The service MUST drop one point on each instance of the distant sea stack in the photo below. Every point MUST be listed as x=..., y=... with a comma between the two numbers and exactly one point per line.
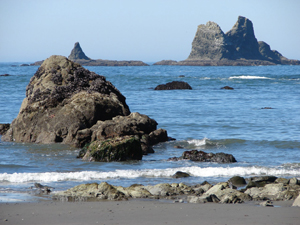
x=239, y=46
x=77, y=55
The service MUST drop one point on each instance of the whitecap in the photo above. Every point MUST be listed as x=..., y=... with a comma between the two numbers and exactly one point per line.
x=248, y=77
x=198, y=142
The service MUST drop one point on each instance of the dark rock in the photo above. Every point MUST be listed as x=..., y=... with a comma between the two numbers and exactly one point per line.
x=180, y=174
x=24, y=64
x=173, y=85
x=42, y=189
x=237, y=181
x=195, y=155
x=77, y=53
x=4, y=128
x=158, y=136
x=227, y=88
x=260, y=181
x=267, y=108
x=115, y=149
x=4, y=75
x=135, y=124
x=61, y=99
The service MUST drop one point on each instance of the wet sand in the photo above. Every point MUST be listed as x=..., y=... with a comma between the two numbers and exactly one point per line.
x=146, y=212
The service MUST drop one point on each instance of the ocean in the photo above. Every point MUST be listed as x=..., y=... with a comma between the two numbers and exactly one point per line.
x=258, y=123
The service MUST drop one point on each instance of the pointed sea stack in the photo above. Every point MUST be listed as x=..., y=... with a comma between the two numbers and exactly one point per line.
x=244, y=42
x=77, y=53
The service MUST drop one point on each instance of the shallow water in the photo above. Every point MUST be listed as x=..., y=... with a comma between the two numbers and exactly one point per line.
x=263, y=141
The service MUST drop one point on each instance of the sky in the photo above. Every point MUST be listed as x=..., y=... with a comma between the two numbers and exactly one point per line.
x=146, y=30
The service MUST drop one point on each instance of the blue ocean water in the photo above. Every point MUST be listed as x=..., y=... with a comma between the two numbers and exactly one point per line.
x=264, y=141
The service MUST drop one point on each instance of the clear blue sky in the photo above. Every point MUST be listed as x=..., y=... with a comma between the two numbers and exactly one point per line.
x=147, y=30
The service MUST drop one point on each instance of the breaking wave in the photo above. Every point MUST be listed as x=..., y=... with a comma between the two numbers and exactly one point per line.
x=248, y=77
x=148, y=173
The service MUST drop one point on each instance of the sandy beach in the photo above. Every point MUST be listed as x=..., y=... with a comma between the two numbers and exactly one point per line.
x=146, y=212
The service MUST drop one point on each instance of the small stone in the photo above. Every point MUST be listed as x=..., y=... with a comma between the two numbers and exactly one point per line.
x=267, y=203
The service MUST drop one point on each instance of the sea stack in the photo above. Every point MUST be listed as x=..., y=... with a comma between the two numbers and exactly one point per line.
x=77, y=53
x=238, y=47
x=240, y=43
x=210, y=43
x=243, y=40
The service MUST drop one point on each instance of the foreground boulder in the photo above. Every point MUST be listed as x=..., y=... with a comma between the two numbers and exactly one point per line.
x=201, y=193
x=173, y=85
x=200, y=156
x=63, y=98
x=135, y=125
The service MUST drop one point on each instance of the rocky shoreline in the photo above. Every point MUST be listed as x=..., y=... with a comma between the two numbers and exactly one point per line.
x=264, y=189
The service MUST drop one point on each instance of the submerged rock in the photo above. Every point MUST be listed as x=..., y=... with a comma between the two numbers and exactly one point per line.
x=173, y=85
x=180, y=174
x=200, y=156
x=227, y=88
x=115, y=149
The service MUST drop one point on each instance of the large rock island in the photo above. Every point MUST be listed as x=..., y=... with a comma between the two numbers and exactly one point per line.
x=67, y=103
x=77, y=55
x=238, y=47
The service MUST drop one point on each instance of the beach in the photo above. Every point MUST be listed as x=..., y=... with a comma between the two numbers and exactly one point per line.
x=146, y=212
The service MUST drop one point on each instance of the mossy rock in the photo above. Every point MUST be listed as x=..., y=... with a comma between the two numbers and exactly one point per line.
x=237, y=181
x=115, y=149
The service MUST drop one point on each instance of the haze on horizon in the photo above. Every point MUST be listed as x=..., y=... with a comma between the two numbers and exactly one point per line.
x=148, y=30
